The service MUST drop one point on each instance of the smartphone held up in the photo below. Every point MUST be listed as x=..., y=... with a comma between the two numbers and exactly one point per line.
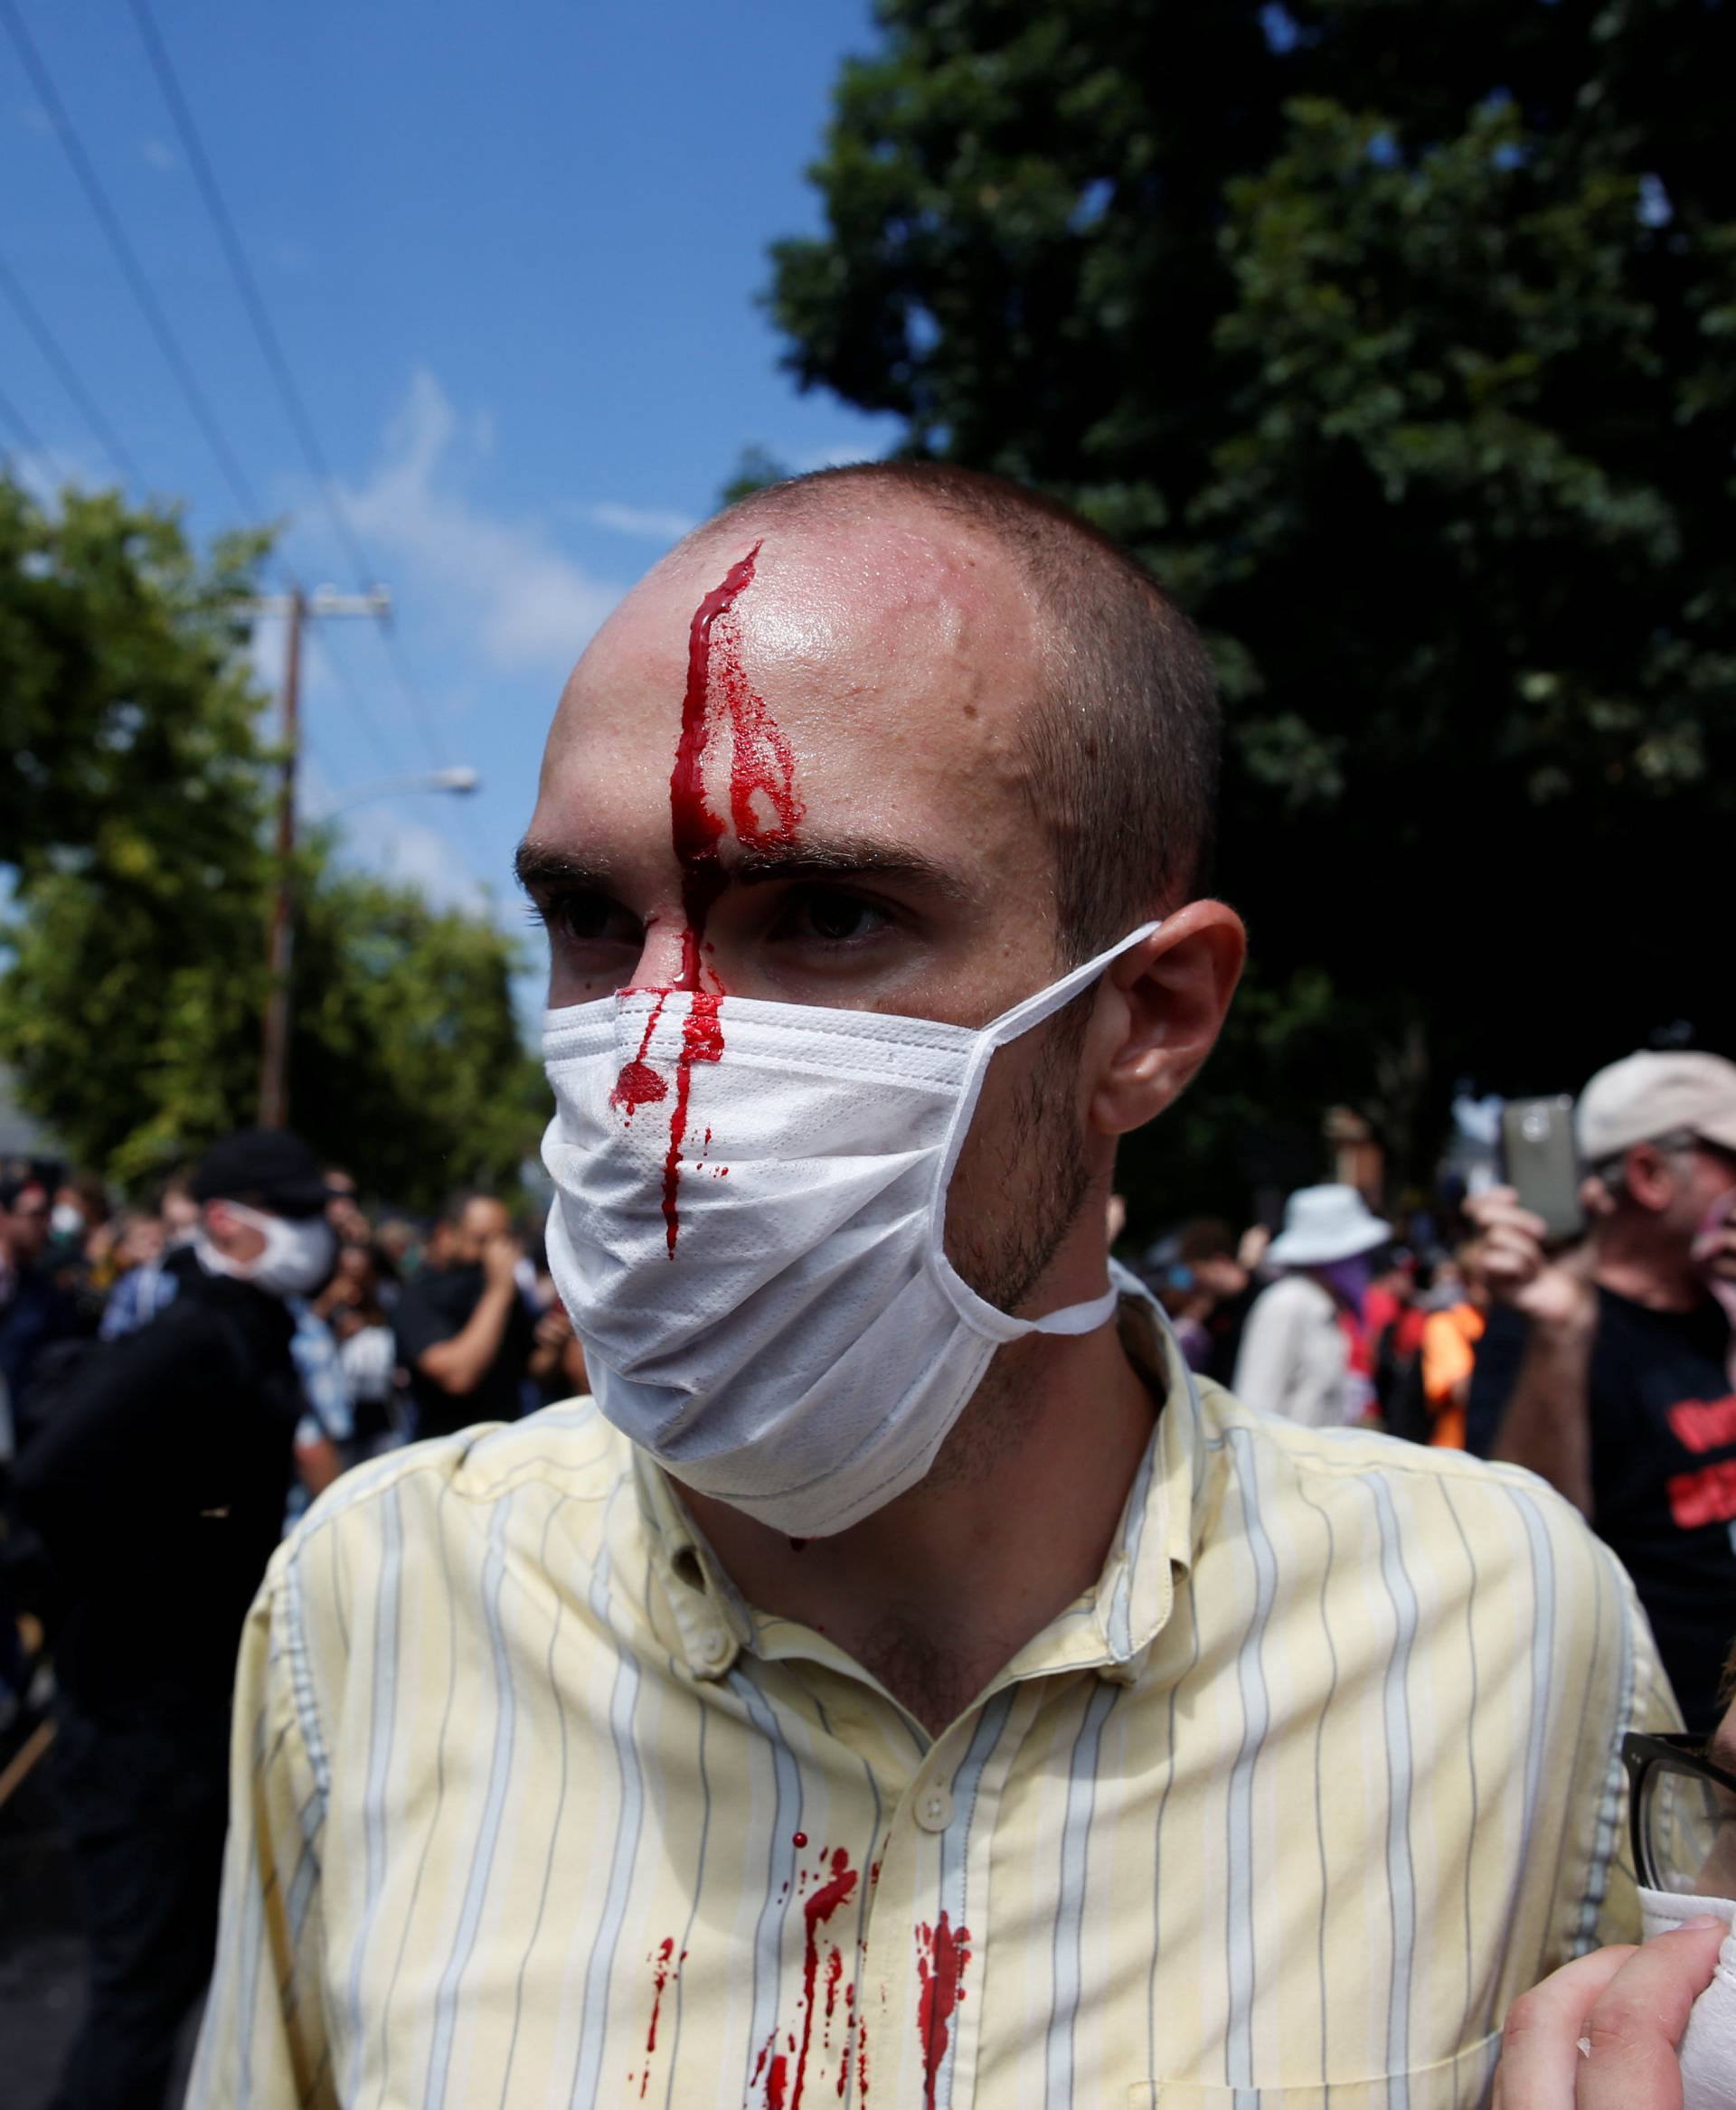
x=1542, y=1162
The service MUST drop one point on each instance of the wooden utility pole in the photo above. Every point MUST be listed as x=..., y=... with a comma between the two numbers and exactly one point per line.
x=281, y=941
x=294, y=607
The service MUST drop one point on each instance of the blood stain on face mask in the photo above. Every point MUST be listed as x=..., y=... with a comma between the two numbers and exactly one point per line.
x=764, y=812
x=638, y=1085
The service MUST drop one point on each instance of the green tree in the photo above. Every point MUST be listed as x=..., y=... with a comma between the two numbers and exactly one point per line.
x=406, y=1062
x=1396, y=337
x=135, y=809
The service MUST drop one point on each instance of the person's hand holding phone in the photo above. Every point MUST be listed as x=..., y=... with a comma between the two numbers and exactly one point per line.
x=500, y=1257
x=1554, y=1289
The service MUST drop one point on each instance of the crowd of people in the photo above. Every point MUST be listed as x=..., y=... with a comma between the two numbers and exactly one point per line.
x=1607, y=1368
x=369, y=1344
x=177, y=1379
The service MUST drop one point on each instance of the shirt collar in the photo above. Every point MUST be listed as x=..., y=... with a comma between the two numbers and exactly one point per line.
x=1110, y=1629
x=1161, y=1523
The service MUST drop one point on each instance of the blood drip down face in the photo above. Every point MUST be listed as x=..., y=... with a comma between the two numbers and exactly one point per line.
x=764, y=813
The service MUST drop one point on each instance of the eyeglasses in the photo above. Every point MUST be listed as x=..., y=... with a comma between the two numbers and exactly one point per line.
x=1682, y=1811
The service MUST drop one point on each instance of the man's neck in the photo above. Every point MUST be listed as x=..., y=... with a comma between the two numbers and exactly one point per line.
x=940, y=1589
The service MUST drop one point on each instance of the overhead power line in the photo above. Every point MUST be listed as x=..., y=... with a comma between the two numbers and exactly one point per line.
x=358, y=710
x=465, y=841
x=132, y=270
x=235, y=255
x=271, y=345
x=67, y=375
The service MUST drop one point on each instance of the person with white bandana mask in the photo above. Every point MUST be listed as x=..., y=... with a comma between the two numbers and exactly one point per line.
x=155, y=1473
x=901, y=1677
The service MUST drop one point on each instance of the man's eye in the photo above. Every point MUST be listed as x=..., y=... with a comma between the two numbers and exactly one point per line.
x=828, y=916
x=589, y=919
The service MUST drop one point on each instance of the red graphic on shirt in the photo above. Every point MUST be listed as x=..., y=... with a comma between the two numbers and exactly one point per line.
x=1705, y=1497
x=764, y=812
x=1703, y=1425
x=941, y=1958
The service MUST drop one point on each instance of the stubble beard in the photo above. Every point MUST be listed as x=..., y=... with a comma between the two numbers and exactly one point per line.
x=1003, y=1261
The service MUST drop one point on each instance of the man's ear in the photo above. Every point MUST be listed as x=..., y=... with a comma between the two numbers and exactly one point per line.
x=1648, y=1177
x=1170, y=993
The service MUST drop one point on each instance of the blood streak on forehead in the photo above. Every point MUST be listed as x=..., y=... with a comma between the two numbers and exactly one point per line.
x=763, y=808
x=764, y=812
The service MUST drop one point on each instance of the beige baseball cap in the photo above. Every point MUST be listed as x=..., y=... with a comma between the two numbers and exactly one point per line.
x=1645, y=1096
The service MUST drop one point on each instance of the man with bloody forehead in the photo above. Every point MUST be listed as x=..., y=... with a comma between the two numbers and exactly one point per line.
x=901, y=1682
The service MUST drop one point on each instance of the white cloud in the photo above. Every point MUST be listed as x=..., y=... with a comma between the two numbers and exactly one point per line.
x=650, y=523
x=158, y=153
x=504, y=584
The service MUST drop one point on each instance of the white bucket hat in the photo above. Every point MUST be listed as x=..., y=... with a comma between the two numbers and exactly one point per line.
x=1323, y=1224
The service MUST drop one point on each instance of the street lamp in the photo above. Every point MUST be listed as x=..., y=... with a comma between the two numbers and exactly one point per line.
x=460, y=779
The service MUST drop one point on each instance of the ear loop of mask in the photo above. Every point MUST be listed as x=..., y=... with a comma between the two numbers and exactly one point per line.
x=977, y=1313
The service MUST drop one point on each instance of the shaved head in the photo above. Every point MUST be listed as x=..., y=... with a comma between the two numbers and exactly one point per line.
x=1121, y=737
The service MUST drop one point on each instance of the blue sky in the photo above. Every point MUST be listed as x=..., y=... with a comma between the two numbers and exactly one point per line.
x=512, y=252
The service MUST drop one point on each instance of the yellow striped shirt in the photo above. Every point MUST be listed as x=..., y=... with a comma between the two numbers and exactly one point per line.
x=531, y=1810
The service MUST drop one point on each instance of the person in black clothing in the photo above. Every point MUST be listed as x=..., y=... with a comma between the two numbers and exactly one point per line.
x=37, y=1313
x=35, y=1309
x=156, y=1473
x=465, y=1333
x=1609, y=1369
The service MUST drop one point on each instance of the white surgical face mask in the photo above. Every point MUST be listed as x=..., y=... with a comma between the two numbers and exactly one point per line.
x=751, y=1204
x=297, y=1258
x=1708, y=2047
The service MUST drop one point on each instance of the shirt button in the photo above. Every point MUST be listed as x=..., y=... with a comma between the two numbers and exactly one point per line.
x=713, y=1647
x=934, y=1809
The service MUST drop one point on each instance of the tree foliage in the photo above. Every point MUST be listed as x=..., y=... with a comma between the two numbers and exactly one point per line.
x=133, y=808
x=1397, y=338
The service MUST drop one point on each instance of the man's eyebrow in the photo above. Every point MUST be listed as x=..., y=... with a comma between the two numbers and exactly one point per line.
x=540, y=865
x=843, y=858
